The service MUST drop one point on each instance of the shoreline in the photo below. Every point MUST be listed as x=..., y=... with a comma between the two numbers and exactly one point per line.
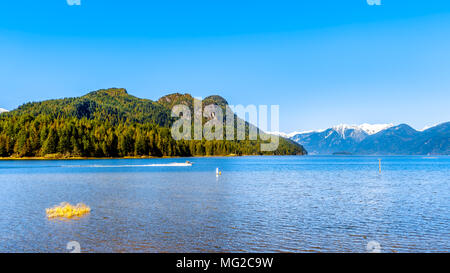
x=199, y=156
x=126, y=157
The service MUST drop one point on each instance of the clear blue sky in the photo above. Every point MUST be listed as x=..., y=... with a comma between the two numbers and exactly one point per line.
x=324, y=62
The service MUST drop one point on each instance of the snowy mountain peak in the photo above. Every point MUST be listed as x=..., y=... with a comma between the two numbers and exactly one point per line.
x=3, y=110
x=369, y=129
x=372, y=129
x=430, y=126
x=341, y=129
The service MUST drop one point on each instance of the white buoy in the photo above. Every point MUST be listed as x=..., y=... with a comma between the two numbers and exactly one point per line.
x=217, y=171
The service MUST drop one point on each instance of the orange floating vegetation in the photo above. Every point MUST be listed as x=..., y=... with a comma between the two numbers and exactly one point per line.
x=66, y=210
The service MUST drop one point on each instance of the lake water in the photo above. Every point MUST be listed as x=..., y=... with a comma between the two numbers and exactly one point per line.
x=258, y=204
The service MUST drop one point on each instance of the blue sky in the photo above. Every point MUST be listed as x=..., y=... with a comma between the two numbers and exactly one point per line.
x=324, y=62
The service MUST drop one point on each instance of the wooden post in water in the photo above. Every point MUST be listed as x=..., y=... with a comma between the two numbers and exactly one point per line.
x=379, y=165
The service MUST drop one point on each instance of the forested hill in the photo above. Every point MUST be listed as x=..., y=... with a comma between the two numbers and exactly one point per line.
x=114, y=105
x=112, y=123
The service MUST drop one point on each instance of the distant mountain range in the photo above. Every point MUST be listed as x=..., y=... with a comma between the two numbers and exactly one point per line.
x=3, y=110
x=378, y=139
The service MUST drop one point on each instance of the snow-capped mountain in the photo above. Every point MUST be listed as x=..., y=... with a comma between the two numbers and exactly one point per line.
x=3, y=110
x=430, y=126
x=338, y=138
x=404, y=140
x=369, y=129
x=377, y=139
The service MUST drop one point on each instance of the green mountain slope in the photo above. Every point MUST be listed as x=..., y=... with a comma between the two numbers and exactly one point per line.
x=114, y=104
x=112, y=123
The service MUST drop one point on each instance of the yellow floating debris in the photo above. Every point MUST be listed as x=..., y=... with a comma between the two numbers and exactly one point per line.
x=67, y=210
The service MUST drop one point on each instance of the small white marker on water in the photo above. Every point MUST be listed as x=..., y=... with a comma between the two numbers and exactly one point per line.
x=379, y=165
x=218, y=172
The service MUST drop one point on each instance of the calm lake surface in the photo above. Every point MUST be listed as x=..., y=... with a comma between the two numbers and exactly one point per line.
x=258, y=204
